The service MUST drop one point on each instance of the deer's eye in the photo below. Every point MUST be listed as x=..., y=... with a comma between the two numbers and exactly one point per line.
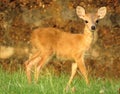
x=86, y=21
x=97, y=21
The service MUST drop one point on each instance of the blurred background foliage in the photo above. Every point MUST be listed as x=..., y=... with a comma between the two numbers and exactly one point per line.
x=19, y=17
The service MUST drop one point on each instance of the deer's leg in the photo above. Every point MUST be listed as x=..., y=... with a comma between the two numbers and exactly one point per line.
x=73, y=72
x=30, y=63
x=43, y=61
x=32, y=58
x=83, y=69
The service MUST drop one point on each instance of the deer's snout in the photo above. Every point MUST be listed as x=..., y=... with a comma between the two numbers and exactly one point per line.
x=93, y=28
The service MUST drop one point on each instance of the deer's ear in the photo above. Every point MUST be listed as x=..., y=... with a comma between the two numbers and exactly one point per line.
x=101, y=12
x=80, y=12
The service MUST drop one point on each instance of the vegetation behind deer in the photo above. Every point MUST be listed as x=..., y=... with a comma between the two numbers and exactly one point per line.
x=19, y=18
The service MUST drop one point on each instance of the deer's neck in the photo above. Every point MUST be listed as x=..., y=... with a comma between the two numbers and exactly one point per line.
x=88, y=36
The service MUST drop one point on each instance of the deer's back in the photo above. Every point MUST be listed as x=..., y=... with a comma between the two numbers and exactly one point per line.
x=45, y=37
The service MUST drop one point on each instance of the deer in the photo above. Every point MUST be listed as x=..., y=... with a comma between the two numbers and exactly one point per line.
x=49, y=42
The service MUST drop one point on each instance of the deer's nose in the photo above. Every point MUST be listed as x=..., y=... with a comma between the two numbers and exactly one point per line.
x=93, y=27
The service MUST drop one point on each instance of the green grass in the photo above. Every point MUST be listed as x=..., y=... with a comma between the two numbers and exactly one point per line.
x=16, y=83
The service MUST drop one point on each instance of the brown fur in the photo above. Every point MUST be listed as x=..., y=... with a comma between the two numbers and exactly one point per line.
x=51, y=41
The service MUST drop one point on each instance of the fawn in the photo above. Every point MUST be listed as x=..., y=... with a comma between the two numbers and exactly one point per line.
x=52, y=41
